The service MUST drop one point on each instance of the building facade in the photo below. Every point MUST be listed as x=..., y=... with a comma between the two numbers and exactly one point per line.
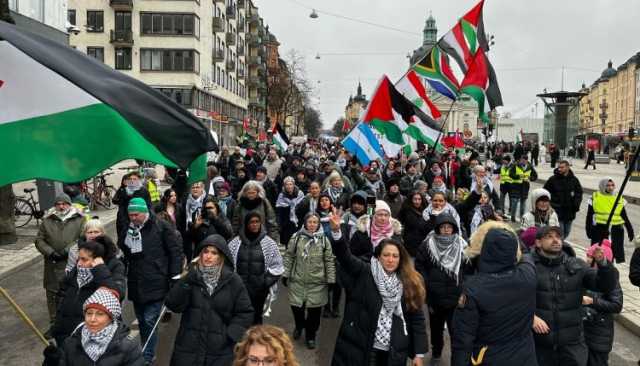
x=429, y=39
x=47, y=18
x=356, y=106
x=637, y=108
x=198, y=53
x=612, y=102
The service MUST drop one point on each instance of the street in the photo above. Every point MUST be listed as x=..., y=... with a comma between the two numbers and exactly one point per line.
x=26, y=288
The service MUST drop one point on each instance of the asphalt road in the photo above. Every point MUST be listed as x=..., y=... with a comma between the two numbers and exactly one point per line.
x=19, y=346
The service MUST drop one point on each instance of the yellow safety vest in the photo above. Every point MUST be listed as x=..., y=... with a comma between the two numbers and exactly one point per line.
x=504, y=175
x=602, y=205
x=522, y=175
x=153, y=191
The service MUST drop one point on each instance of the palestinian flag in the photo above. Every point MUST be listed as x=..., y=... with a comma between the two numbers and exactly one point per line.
x=392, y=114
x=345, y=125
x=463, y=41
x=412, y=87
x=475, y=85
x=435, y=68
x=279, y=137
x=65, y=116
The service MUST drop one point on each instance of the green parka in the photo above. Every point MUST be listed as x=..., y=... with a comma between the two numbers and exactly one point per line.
x=55, y=235
x=309, y=277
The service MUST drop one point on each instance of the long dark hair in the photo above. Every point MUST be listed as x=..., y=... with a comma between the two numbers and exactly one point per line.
x=408, y=202
x=412, y=282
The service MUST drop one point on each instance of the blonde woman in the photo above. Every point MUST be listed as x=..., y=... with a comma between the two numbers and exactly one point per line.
x=265, y=345
x=92, y=229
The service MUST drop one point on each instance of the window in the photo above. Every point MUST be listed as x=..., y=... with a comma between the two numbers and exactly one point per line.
x=71, y=16
x=96, y=52
x=123, y=21
x=123, y=58
x=170, y=24
x=169, y=60
x=95, y=21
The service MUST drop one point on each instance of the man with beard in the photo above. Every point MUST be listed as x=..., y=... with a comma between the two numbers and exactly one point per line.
x=132, y=186
x=566, y=195
x=408, y=180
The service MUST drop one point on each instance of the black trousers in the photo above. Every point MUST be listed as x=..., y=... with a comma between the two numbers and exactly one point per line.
x=310, y=321
x=257, y=301
x=598, y=358
x=379, y=358
x=438, y=316
x=599, y=232
x=335, y=294
x=569, y=355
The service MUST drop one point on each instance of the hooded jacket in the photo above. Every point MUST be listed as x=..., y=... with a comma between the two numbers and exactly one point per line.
x=414, y=228
x=529, y=218
x=495, y=310
x=360, y=243
x=210, y=325
x=566, y=194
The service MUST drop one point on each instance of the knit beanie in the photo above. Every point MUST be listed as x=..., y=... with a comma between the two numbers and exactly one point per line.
x=606, y=249
x=528, y=236
x=382, y=206
x=106, y=300
x=63, y=197
x=138, y=204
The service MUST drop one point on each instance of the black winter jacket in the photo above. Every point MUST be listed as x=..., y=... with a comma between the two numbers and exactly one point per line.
x=219, y=225
x=210, y=325
x=123, y=350
x=414, y=228
x=122, y=200
x=598, y=318
x=355, y=339
x=149, y=272
x=561, y=283
x=566, y=194
x=71, y=298
x=251, y=268
x=442, y=289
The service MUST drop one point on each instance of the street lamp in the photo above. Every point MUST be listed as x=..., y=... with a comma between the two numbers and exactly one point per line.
x=313, y=14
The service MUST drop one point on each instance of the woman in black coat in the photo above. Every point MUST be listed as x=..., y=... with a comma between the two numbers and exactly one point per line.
x=215, y=307
x=371, y=230
x=288, y=199
x=97, y=266
x=211, y=222
x=411, y=219
x=383, y=322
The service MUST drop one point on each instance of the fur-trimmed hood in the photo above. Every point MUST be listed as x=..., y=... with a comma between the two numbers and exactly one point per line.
x=477, y=239
x=362, y=224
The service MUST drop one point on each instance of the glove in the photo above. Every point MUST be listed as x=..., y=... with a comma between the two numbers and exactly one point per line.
x=56, y=257
x=51, y=355
x=285, y=281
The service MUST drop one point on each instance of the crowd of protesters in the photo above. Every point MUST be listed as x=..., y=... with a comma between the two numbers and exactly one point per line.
x=457, y=240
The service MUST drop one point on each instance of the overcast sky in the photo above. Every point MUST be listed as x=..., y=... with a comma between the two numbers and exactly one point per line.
x=534, y=39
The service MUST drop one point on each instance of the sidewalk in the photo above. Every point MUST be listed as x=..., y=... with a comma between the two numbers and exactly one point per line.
x=590, y=178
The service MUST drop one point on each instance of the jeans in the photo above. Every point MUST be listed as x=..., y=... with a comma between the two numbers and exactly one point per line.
x=513, y=206
x=566, y=228
x=147, y=315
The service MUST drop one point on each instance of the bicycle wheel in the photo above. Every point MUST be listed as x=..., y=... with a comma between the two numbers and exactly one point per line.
x=23, y=212
x=107, y=195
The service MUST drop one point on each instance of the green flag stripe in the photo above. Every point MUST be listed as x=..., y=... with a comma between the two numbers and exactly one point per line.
x=389, y=129
x=470, y=34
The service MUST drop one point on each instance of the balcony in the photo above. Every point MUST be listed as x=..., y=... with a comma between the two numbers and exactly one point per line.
x=240, y=50
x=121, y=37
x=231, y=66
x=231, y=12
x=253, y=39
x=121, y=4
x=240, y=73
x=242, y=3
x=254, y=80
x=262, y=50
x=255, y=60
x=218, y=24
x=231, y=39
x=256, y=102
x=218, y=55
x=254, y=18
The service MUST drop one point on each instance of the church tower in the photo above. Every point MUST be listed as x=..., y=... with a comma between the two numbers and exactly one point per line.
x=429, y=39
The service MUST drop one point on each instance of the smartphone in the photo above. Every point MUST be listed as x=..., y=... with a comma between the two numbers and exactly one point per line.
x=371, y=204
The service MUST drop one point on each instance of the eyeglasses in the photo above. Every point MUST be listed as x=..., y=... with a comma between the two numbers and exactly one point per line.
x=255, y=361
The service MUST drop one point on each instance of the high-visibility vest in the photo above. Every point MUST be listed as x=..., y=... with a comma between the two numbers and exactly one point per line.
x=504, y=175
x=523, y=176
x=153, y=191
x=602, y=205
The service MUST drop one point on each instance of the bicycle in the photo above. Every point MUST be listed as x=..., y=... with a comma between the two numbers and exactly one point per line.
x=100, y=193
x=27, y=209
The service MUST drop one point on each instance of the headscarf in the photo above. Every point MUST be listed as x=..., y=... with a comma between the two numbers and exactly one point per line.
x=602, y=185
x=390, y=288
x=378, y=233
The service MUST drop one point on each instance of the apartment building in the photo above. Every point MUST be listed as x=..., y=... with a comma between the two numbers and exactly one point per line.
x=193, y=51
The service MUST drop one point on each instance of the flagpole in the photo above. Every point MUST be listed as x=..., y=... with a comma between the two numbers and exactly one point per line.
x=444, y=123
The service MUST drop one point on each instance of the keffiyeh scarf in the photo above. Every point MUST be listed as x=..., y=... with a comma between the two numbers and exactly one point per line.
x=133, y=240
x=446, y=252
x=291, y=201
x=335, y=193
x=95, y=344
x=314, y=238
x=192, y=205
x=390, y=289
x=210, y=276
x=84, y=276
x=272, y=257
x=448, y=208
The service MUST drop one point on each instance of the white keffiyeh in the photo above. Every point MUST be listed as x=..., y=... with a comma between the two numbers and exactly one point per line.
x=84, y=276
x=390, y=289
x=95, y=344
x=133, y=240
x=285, y=200
x=272, y=258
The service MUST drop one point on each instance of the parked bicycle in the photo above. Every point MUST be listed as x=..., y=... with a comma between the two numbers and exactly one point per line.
x=27, y=208
x=100, y=193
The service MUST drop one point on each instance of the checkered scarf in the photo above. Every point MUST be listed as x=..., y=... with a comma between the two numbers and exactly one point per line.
x=133, y=240
x=390, y=289
x=84, y=276
x=272, y=257
x=95, y=344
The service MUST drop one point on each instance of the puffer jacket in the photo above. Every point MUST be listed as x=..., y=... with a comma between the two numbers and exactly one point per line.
x=309, y=277
x=561, y=283
x=360, y=243
x=566, y=194
x=149, y=272
x=71, y=298
x=210, y=325
x=598, y=318
x=250, y=264
x=57, y=236
x=356, y=336
x=123, y=350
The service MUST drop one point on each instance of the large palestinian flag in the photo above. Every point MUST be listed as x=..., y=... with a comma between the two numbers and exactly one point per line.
x=475, y=84
x=66, y=116
x=392, y=114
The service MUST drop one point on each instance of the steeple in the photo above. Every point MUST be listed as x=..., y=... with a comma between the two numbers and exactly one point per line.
x=359, y=89
x=430, y=32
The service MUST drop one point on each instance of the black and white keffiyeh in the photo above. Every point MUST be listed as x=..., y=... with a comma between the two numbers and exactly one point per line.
x=291, y=201
x=446, y=252
x=84, y=276
x=210, y=276
x=272, y=258
x=133, y=240
x=191, y=206
x=448, y=208
x=390, y=289
x=95, y=344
